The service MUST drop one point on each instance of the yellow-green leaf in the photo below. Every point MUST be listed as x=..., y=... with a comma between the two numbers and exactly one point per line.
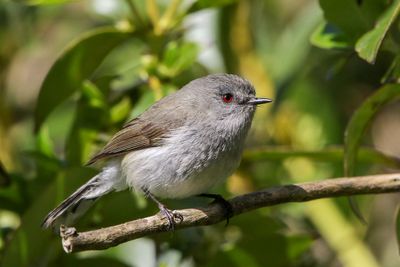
x=368, y=45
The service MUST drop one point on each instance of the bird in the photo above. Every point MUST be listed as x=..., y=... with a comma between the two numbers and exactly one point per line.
x=181, y=146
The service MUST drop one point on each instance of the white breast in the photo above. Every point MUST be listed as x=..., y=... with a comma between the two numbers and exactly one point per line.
x=190, y=162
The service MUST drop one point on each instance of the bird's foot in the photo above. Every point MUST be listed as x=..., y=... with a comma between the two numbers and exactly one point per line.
x=65, y=234
x=218, y=199
x=172, y=216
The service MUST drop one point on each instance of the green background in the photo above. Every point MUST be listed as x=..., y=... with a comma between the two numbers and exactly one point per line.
x=73, y=72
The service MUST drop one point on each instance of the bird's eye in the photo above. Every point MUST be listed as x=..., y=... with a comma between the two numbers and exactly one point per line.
x=227, y=98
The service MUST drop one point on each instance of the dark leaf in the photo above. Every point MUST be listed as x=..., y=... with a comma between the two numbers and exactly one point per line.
x=31, y=245
x=4, y=177
x=76, y=63
x=346, y=16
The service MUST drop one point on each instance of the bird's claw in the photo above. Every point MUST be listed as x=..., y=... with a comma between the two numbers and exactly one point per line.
x=218, y=199
x=65, y=234
x=172, y=216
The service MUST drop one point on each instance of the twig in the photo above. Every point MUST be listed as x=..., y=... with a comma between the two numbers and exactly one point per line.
x=214, y=213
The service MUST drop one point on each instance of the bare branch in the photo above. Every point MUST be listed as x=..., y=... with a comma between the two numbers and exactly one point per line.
x=114, y=235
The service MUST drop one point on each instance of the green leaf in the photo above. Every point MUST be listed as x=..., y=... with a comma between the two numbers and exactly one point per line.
x=368, y=45
x=144, y=102
x=120, y=111
x=11, y=197
x=77, y=63
x=44, y=143
x=360, y=120
x=202, y=4
x=178, y=57
x=326, y=37
x=93, y=95
x=393, y=72
x=91, y=116
x=347, y=16
x=30, y=245
x=297, y=245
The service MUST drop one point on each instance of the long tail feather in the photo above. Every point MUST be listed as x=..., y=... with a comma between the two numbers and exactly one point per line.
x=68, y=209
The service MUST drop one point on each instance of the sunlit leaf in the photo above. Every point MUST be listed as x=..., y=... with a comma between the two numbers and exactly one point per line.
x=124, y=60
x=121, y=110
x=143, y=103
x=44, y=143
x=178, y=57
x=91, y=115
x=360, y=120
x=45, y=155
x=93, y=95
x=325, y=36
x=75, y=65
x=368, y=45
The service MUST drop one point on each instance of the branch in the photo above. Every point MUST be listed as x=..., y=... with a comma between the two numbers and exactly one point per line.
x=114, y=235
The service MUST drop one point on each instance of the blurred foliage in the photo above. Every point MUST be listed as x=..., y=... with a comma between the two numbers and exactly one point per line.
x=73, y=72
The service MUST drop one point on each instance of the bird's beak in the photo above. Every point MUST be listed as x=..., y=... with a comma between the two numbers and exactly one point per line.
x=258, y=101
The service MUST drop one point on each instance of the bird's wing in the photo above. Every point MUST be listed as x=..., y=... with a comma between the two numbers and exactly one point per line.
x=147, y=130
x=137, y=134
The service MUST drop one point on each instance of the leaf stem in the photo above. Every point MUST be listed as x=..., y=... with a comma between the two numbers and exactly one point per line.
x=168, y=15
x=136, y=14
x=154, y=15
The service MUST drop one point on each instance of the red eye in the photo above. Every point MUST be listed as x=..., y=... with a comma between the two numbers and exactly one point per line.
x=227, y=98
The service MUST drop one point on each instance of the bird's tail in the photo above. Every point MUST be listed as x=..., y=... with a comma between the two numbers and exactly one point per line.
x=81, y=200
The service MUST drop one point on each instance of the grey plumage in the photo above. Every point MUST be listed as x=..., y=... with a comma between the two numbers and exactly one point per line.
x=181, y=146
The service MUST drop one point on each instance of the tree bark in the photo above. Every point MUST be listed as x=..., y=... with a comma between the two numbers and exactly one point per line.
x=104, y=238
